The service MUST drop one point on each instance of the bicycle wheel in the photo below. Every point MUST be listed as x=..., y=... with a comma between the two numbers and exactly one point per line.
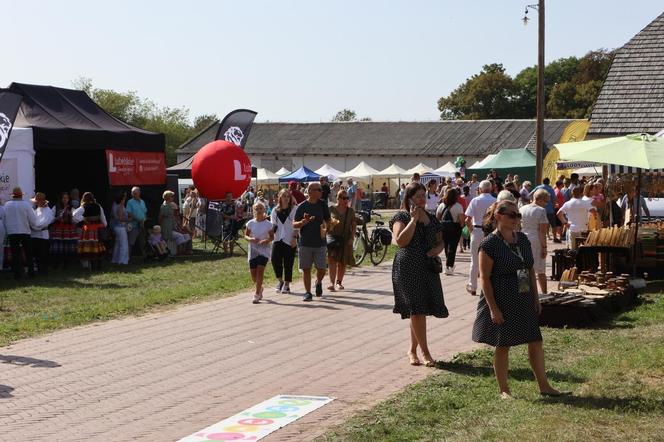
x=377, y=250
x=359, y=248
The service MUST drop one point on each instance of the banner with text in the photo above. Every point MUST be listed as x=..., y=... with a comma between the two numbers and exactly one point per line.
x=8, y=178
x=9, y=104
x=126, y=168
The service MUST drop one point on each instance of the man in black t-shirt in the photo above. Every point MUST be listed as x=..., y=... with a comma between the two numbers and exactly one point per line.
x=326, y=189
x=311, y=218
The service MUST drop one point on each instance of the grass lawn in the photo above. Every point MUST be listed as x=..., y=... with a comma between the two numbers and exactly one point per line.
x=616, y=371
x=75, y=296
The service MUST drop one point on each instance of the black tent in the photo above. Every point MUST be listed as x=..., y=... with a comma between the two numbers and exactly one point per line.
x=71, y=135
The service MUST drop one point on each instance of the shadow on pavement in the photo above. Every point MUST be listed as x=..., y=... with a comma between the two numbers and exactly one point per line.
x=313, y=304
x=31, y=362
x=6, y=391
x=347, y=301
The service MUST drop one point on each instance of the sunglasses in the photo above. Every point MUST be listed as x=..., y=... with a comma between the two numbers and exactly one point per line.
x=316, y=190
x=343, y=197
x=513, y=215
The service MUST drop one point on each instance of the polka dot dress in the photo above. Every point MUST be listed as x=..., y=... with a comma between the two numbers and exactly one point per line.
x=417, y=290
x=519, y=311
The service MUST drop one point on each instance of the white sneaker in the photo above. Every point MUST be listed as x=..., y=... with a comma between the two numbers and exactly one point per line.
x=286, y=289
x=449, y=271
x=279, y=287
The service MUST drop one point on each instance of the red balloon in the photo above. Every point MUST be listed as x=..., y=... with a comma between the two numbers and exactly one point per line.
x=221, y=167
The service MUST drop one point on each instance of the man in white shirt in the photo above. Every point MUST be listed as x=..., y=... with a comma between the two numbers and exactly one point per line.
x=474, y=218
x=39, y=236
x=574, y=216
x=473, y=186
x=20, y=219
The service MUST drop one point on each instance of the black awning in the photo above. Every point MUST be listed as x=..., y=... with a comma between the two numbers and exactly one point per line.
x=69, y=119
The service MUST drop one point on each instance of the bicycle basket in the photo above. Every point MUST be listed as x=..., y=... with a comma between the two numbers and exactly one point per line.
x=385, y=236
x=366, y=216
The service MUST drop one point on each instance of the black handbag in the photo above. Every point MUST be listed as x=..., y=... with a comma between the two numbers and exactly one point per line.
x=335, y=242
x=434, y=264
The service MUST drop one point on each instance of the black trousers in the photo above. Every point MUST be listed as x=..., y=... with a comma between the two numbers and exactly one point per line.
x=283, y=257
x=40, y=252
x=16, y=242
x=451, y=243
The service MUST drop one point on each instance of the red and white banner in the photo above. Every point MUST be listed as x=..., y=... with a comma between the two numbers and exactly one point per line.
x=127, y=168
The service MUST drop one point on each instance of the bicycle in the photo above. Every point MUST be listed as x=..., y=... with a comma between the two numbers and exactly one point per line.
x=374, y=244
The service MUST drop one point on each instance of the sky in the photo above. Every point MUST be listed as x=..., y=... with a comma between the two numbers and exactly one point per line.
x=298, y=60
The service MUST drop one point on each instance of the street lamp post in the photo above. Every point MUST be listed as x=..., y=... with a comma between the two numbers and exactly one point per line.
x=539, y=130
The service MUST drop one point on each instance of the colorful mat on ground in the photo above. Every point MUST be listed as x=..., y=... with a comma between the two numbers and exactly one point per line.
x=260, y=420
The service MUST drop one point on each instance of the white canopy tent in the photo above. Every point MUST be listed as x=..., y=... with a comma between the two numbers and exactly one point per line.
x=330, y=172
x=420, y=168
x=283, y=171
x=264, y=176
x=446, y=170
x=362, y=172
x=393, y=171
x=17, y=167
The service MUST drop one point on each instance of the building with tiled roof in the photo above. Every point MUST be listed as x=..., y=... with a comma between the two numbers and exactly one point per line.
x=344, y=145
x=632, y=97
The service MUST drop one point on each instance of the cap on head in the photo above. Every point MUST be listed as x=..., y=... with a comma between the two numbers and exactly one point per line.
x=17, y=192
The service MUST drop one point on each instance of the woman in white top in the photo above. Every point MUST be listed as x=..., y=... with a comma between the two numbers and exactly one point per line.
x=190, y=208
x=283, y=247
x=432, y=197
x=450, y=214
x=259, y=233
x=535, y=224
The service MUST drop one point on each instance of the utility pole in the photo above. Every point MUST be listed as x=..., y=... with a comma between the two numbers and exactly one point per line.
x=541, y=105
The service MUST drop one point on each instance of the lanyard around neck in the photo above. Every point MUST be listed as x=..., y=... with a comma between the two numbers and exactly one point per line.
x=513, y=247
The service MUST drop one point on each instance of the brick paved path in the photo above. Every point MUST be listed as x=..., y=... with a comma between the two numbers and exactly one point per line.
x=164, y=376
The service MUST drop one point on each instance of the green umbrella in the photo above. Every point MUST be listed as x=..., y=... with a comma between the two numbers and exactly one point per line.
x=636, y=150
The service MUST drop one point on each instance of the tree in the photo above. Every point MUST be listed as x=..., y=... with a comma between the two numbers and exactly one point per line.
x=571, y=88
x=489, y=94
x=345, y=115
x=203, y=121
x=129, y=107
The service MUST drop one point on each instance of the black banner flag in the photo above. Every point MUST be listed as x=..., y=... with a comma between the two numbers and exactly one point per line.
x=9, y=104
x=235, y=127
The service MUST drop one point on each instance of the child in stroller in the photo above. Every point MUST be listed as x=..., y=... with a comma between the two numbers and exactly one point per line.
x=158, y=248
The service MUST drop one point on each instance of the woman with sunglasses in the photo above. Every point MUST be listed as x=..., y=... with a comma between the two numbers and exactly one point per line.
x=508, y=309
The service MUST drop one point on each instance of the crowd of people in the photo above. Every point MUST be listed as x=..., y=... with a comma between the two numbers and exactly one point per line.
x=41, y=235
x=316, y=222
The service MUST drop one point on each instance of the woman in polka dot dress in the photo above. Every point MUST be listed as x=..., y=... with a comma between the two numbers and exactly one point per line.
x=509, y=307
x=417, y=288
